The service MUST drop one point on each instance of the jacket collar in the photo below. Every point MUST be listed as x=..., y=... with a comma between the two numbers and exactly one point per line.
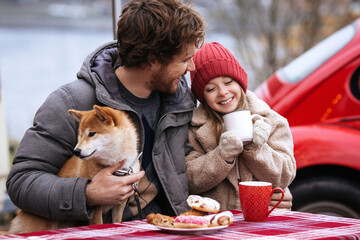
x=205, y=132
x=101, y=65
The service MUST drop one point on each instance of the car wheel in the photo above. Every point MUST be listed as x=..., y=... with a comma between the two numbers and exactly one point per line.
x=325, y=195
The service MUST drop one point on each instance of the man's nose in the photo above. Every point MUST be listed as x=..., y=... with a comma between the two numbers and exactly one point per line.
x=191, y=65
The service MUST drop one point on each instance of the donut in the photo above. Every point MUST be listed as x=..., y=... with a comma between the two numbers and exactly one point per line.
x=193, y=212
x=191, y=222
x=203, y=204
x=220, y=219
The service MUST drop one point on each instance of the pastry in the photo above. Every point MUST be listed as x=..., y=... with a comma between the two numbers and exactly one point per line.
x=193, y=212
x=160, y=220
x=191, y=222
x=220, y=219
x=203, y=204
x=197, y=217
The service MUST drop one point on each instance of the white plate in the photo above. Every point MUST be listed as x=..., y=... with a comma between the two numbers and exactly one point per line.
x=188, y=231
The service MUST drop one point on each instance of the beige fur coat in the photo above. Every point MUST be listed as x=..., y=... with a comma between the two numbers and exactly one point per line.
x=211, y=176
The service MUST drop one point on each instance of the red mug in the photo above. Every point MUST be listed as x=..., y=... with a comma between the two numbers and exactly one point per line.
x=255, y=200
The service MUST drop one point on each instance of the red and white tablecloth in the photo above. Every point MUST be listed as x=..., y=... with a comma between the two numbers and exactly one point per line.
x=279, y=225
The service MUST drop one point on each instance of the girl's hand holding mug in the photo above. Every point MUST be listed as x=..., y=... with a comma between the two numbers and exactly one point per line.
x=240, y=122
x=230, y=146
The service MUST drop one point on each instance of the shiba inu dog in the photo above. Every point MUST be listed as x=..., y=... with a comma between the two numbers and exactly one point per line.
x=105, y=137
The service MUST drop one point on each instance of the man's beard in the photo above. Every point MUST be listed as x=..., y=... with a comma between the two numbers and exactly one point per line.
x=162, y=82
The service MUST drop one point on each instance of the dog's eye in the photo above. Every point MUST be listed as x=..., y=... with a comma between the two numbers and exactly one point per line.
x=91, y=134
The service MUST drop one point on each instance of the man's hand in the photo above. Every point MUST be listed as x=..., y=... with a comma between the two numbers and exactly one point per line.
x=107, y=189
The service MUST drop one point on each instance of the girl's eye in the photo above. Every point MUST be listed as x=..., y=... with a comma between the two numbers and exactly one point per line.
x=210, y=89
x=228, y=82
x=91, y=134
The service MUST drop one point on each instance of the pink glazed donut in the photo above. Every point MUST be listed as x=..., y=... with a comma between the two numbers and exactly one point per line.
x=191, y=222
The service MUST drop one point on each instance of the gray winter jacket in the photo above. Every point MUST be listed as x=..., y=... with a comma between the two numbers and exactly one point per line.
x=32, y=183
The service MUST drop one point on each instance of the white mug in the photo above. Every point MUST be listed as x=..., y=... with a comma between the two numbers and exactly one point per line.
x=240, y=123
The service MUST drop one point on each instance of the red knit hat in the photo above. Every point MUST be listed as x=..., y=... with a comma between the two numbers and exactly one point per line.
x=211, y=61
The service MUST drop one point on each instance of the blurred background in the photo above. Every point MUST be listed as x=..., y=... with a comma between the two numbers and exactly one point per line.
x=44, y=42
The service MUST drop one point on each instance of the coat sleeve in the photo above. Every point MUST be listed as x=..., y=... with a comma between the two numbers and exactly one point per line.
x=32, y=182
x=273, y=161
x=204, y=170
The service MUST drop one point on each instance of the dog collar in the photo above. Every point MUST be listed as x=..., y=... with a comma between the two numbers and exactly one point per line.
x=130, y=170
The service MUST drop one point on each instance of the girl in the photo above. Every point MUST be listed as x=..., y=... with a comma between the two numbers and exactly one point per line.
x=219, y=160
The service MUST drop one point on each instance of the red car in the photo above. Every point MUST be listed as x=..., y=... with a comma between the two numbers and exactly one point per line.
x=319, y=94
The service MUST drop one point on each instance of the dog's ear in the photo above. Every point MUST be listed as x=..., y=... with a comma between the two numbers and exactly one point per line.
x=102, y=115
x=75, y=114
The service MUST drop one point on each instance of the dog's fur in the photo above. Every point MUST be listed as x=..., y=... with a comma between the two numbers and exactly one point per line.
x=105, y=138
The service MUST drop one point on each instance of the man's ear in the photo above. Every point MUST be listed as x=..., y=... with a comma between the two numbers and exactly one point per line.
x=75, y=114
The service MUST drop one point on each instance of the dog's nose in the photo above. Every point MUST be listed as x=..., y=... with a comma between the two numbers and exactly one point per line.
x=77, y=151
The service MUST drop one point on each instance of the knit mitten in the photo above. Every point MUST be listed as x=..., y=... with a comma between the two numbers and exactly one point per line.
x=261, y=130
x=230, y=146
x=286, y=203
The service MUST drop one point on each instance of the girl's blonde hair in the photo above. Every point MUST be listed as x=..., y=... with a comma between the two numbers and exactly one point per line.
x=216, y=117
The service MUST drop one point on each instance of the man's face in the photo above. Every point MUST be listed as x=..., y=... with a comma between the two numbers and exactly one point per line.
x=165, y=78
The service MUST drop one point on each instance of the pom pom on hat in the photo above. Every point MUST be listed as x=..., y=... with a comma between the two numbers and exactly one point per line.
x=211, y=61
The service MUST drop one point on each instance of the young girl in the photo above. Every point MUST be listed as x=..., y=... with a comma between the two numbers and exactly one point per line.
x=219, y=160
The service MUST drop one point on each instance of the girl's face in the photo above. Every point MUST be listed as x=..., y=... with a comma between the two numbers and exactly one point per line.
x=222, y=94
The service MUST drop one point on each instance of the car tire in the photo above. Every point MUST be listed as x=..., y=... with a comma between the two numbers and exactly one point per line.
x=326, y=195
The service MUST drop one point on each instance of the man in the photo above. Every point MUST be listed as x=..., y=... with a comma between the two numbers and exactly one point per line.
x=142, y=74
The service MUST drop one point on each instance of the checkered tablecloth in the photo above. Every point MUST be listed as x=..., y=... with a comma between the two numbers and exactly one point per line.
x=279, y=225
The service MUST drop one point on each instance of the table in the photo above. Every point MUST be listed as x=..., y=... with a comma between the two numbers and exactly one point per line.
x=280, y=224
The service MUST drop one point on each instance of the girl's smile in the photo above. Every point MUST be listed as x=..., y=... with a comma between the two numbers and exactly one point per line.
x=222, y=94
x=227, y=101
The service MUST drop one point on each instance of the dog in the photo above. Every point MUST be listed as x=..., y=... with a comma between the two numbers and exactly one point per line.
x=105, y=137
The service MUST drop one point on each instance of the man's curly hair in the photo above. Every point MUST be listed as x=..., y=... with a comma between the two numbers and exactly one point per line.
x=150, y=30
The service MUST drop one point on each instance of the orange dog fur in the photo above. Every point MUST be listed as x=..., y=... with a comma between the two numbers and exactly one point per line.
x=105, y=138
